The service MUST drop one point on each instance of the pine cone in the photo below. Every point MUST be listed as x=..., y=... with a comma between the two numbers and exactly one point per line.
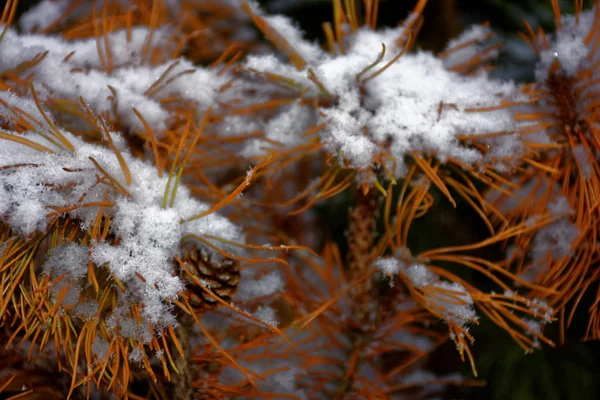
x=219, y=274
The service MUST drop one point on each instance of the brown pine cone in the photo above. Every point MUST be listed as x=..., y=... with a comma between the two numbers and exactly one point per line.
x=220, y=275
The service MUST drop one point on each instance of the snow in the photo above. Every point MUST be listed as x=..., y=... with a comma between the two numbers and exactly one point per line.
x=453, y=302
x=286, y=28
x=388, y=266
x=61, y=259
x=43, y=14
x=149, y=236
x=567, y=46
x=83, y=75
x=263, y=286
x=468, y=45
x=267, y=315
x=415, y=105
x=582, y=156
x=556, y=239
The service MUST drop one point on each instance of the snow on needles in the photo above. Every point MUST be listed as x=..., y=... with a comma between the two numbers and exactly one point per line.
x=415, y=105
x=43, y=14
x=569, y=46
x=34, y=183
x=468, y=45
x=449, y=300
x=73, y=69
